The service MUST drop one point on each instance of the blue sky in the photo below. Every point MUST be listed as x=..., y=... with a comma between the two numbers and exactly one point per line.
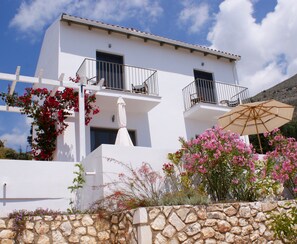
x=263, y=32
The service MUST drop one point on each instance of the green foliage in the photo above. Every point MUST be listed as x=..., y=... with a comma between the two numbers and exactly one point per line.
x=288, y=130
x=79, y=179
x=186, y=197
x=264, y=143
x=78, y=183
x=284, y=225
x=9, y=153
x=265, y=185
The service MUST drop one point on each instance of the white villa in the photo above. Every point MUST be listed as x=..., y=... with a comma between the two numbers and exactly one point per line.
x=183, y=84
x=172, y=89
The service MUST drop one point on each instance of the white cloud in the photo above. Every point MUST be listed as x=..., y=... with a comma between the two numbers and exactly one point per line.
x=15, y=130
x=194, y=16
x=33, y=16
x=267, y=48
x=16, y=139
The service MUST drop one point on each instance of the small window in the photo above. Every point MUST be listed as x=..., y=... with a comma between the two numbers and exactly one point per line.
x=107, y=136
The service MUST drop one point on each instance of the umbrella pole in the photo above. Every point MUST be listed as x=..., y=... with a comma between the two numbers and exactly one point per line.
x=261, y=149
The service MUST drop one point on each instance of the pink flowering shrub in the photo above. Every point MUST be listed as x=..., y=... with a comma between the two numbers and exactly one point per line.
x=283, y=160
x=217, y=160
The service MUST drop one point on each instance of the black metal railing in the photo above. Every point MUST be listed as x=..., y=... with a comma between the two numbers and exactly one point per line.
x=214, y=92
x=120, y=77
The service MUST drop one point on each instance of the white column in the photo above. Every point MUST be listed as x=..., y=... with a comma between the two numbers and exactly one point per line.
x=82, y=125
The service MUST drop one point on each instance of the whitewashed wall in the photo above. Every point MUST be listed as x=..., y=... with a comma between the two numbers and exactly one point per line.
x=164, y=124
x=101, y=171
x=34, y=184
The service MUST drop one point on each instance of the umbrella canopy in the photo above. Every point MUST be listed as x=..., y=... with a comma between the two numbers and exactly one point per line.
x=123, y=137
x=257, y=117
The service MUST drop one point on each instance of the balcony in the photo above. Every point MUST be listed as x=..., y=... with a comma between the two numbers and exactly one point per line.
x=206, y=99
x=138, y=86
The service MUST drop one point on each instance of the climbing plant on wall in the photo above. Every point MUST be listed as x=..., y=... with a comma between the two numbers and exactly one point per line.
x=49, y=112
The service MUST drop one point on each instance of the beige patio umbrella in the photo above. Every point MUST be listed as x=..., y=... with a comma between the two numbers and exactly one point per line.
x=255, y=118
x=123, y=137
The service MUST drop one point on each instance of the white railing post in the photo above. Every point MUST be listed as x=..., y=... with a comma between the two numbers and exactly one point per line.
x=82, y=125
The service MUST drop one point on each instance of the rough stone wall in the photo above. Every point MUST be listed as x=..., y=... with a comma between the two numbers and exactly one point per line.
x=87, y=228
x=217, y=223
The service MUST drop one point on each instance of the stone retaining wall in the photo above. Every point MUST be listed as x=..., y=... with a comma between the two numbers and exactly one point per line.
x=217, y=223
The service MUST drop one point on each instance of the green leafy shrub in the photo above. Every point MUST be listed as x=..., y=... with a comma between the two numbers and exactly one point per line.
x=284, y=225
x=78, y=183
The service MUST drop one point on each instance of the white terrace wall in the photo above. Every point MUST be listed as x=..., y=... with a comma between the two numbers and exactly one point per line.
x=100, y=170
x=34, y=184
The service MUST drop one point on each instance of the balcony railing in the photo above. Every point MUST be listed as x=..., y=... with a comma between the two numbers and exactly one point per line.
x=213, y=92
x=120, y=77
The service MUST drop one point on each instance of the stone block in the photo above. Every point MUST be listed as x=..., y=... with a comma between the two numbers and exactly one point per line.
x=87, y=220
x=103, y=235
x=159, y=222
x=176, y=222
x=193, y=229
x=154, y=213
x=169, y=231
x=28, y=236
x=192, y=217
x=223, y=226
x=66, y=228
x=182, y=213
x=207, y=232
x=6, y=234
x=2, y=224
x=140, y=216
x=230, y=211
x=268, y=206
x=43, y=239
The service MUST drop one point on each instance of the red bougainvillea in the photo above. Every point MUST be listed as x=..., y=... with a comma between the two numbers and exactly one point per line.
x=49, y=114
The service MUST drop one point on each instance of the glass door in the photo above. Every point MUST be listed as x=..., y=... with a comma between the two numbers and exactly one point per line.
x=110, y=67
x=205, y=86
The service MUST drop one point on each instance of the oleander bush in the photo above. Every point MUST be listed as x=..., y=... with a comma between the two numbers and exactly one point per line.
x=218, y=163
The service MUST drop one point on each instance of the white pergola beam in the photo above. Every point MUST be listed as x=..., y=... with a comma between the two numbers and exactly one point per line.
x=35, y=80
x=17, y=77
x=56, y=88
x=40, y=74
x=5, y=108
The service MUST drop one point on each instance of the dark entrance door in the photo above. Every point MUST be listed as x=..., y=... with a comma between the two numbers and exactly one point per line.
x=205, y=86
x=110, y=67
x=107, y=136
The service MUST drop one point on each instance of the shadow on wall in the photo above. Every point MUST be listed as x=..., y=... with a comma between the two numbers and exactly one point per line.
x=194, y=127
x=65, y=153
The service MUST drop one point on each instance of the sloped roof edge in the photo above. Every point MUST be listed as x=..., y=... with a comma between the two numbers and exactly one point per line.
x=147, y=36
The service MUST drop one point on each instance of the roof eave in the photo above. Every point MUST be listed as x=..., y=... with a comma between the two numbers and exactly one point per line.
x=161, y=40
